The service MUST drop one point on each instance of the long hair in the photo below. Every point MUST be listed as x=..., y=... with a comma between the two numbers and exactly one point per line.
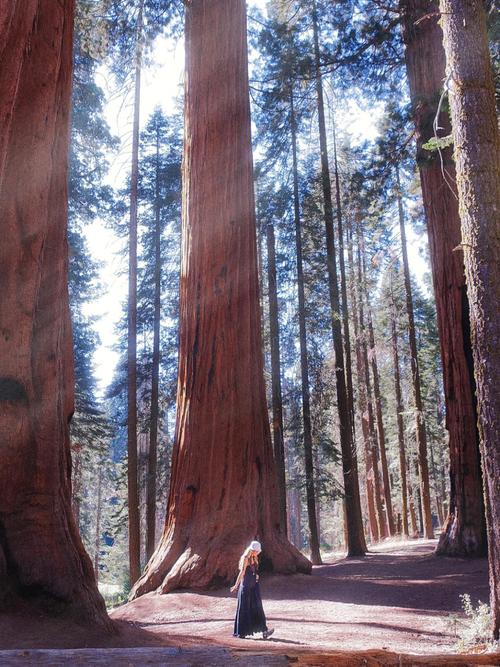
x=243, y=556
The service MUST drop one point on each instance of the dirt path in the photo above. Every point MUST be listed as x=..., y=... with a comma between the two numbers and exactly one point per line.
x=397, y=598
x=394, y=601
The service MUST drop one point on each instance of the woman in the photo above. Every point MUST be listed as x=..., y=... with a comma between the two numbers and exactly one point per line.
x=250, y=615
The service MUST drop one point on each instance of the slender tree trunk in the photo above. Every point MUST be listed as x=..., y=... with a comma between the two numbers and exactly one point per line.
x=155, y=373
x=399, y=418
x=304, y=363
x=378, y=400
x=277, y=402
x=293, y=504
x=134, y=538
x=464, y=533
x=419, y=411
x=477, y=155
x=377, y=487
x=223, y=491
x=380, y=422
x=343, y=289
x=41, y=554
x=76, y=487
x=411, y=498
x=356, y=542
x=97, y=540
x=437, y=499
x=363, y=410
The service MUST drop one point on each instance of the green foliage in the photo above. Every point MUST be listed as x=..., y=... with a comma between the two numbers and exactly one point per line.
x=438, y=143
x=474, y=632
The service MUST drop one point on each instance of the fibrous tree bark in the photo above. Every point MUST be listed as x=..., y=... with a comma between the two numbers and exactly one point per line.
x=464, y=533
x=134, y=538
x=276, y=393
x=41, y=554
x=423, y=466
x=356, y=544
x=477, y=155
x=223, y=489
x=312, y=509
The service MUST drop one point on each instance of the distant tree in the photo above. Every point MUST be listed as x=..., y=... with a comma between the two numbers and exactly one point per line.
x=159, y=196
x=356, y=542
x=277, y=401
x=88, y=199
x=132, y=28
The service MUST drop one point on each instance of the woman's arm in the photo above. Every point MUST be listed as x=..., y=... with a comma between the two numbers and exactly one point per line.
x=240, y=576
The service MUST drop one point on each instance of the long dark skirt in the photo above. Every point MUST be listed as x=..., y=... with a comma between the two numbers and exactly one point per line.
x=250, y=615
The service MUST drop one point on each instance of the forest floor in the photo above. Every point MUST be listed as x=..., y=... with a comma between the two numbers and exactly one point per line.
x=398, y=598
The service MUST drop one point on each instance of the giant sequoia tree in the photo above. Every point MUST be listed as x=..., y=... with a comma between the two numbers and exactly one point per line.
x=477, y=154
x=40, y=550
x=223, y=490
x=464, y=532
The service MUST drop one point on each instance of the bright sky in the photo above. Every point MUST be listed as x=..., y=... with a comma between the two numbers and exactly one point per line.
x=161, y=85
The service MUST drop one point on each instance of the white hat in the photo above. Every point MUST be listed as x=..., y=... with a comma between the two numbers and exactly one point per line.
x=255, y=546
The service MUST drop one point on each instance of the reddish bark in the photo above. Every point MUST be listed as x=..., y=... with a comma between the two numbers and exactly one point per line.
x=41, y=553
x=224, y=488
x=464, y=533
x=477, y=154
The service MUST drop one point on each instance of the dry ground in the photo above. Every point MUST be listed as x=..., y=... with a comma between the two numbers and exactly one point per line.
x=394, y=601
x=399, y=597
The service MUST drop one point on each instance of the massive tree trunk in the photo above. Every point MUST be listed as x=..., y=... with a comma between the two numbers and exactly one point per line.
x=155, y=372
x=464, y=533
x=41, y=554
x=304, y=362
x=477, y=155
x=224, y=488
x=423, y=466
x=356, y=545
x=134, y=538
x=277, y=402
